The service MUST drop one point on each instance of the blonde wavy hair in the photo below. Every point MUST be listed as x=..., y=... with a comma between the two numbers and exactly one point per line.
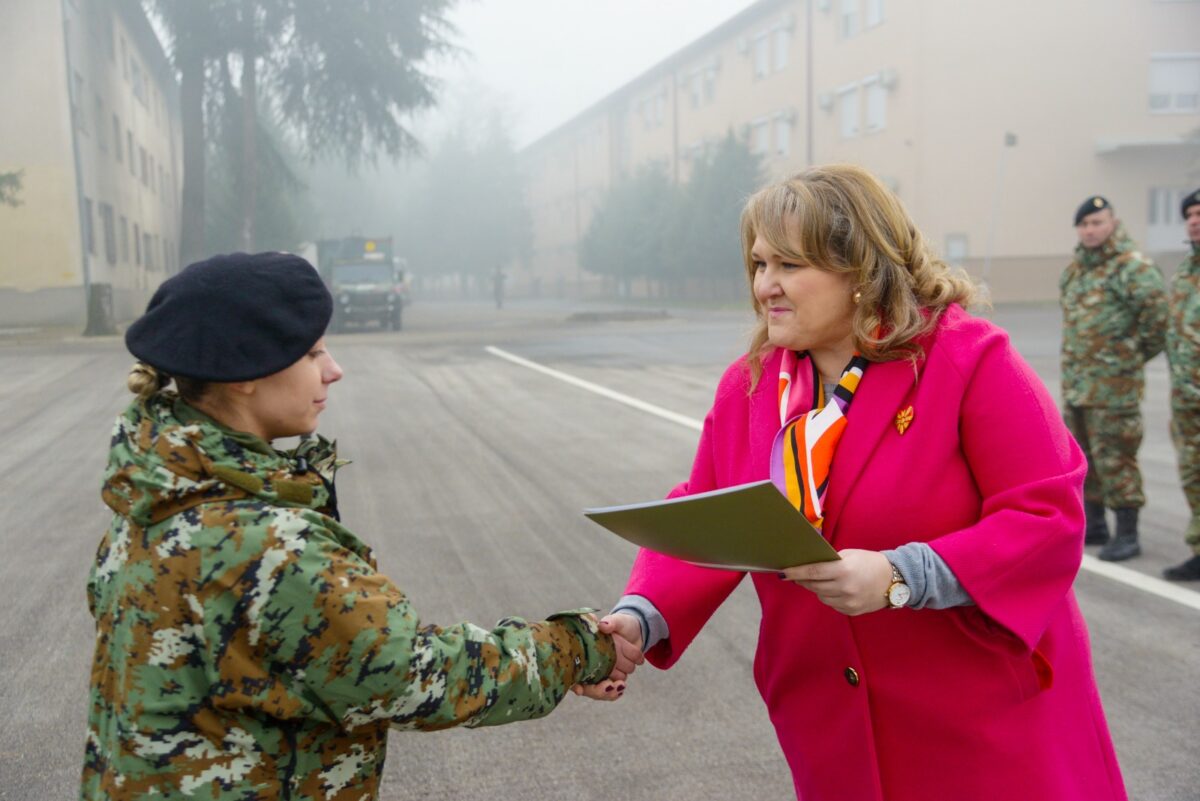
x=841, y=218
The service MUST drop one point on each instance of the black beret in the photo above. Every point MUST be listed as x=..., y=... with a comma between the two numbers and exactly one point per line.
x=1189, y=201
x=1090, y=206
x=233, y=318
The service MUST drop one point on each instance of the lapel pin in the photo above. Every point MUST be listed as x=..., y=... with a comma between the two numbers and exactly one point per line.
x=904, y=419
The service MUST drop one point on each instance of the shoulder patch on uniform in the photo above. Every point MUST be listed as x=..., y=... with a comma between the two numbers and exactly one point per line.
x=236, y=478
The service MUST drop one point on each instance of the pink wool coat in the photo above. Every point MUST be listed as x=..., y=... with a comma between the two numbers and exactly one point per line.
x=993, y=701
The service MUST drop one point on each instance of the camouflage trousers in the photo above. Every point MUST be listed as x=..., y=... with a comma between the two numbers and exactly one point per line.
x=1185, y=433
x=1110, y=438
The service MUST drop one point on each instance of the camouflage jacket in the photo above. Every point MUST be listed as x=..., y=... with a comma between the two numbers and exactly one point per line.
x=1183, y=335
x=246, y=647
x=1114, y=309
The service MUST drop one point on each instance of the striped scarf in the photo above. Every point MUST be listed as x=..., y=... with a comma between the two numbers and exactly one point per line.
x=803, y=451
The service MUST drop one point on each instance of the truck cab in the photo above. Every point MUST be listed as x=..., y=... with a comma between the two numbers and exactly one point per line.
x=365, y=281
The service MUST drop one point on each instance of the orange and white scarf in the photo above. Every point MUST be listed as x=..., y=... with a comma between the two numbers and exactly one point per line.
x=810, y=427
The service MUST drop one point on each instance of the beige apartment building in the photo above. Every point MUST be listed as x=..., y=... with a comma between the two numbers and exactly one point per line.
x=91, y=122
x=992, y=121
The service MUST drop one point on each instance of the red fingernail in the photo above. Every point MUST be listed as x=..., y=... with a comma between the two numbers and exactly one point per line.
x=608, y=689
x=620, y=688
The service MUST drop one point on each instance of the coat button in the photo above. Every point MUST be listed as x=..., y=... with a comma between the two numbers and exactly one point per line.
x=852, y=676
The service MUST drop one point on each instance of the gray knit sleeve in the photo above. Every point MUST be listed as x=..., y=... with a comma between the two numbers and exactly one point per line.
x=654, y=625
x=931, y=580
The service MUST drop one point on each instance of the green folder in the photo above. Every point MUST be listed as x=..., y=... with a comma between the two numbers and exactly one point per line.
x=747, y=527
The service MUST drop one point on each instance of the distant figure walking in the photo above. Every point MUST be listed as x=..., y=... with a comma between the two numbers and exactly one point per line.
x=498, y=278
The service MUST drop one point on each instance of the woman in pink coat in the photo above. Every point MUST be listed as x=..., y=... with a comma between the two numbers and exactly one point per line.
x=943, y=656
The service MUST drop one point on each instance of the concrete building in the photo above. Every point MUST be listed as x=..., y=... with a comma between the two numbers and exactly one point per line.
x=992, y=121
x=91, y=121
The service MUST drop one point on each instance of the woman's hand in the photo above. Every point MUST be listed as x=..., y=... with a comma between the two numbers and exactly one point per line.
x=626, y=632
x=854, y=585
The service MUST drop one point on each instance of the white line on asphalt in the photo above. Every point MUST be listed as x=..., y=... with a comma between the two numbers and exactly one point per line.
x=649, y=408
x=1132, y=578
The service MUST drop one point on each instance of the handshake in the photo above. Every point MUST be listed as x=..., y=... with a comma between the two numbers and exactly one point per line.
x=626, y=631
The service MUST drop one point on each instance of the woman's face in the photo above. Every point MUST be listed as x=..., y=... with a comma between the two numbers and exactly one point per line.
x=287, y=403
x=806, y=308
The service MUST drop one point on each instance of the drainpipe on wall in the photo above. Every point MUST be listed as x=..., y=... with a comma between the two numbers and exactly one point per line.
x=808, y=83
x=71, y=106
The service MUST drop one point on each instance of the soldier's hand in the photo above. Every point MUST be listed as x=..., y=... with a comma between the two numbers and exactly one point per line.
x=626, y=632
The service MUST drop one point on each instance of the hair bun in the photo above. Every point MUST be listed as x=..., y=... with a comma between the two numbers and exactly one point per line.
x=144, y=380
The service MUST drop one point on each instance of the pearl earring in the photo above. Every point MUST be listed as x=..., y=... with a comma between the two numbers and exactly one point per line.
x=857, y=297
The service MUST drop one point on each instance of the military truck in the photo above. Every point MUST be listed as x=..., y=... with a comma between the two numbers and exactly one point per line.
x=365, y=279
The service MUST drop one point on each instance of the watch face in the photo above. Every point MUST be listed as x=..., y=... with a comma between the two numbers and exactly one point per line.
x=898, y=594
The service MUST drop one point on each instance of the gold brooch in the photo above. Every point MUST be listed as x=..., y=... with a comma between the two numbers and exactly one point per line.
x=904, y=419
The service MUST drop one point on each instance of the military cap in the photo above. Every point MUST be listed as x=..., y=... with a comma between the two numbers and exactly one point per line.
x=1090, y=206
x=234, y=317
x=1188, y=201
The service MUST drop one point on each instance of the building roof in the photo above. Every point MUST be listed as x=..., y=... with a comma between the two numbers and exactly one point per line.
x=666, y=66
x=149, y=47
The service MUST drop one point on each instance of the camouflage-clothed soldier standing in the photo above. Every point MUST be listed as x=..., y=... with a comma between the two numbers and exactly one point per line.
x=1114, y=320
x=1183, y=353
x=246, y=646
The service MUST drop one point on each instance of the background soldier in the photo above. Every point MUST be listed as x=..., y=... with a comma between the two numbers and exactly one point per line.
x=1183, y=352
x=1114, y=320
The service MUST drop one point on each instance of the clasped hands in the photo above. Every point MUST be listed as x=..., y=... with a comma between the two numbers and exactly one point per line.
x=854, y=585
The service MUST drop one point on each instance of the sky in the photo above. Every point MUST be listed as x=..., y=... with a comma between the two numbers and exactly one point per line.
x=546, y=60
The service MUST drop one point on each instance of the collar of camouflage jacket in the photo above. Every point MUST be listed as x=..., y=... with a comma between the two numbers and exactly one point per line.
x=166, y=457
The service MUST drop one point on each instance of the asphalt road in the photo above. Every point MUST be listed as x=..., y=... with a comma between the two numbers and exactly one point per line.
x=469, y=473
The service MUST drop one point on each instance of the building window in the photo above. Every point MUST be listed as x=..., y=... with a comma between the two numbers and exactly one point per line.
x=129, y=150
x=696, y=88
x=162, y=181
x=782, y=38
x=660, y=108
x=874, y=15
x=956, y=249
x=117, y=150
x=1175, y=83
x=124, y=60
x=847, y=101
x=762, y=55
x=710, y=84
x=101, y=128
x=124, y=239
x=150, y=183
x=147, y=251
x=1166, y=230
x=138, y=79
x=783, y=136
x=89, y=228
x=876, y=101
x=848, y=18
x=77, y=102
x=760, y=137
x=145, y=172
x=137, y=245
x=110, y=233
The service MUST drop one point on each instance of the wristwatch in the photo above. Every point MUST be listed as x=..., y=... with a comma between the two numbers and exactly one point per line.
x=898, y=592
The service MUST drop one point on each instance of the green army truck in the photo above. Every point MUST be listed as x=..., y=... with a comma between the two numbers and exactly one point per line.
x=365, y=279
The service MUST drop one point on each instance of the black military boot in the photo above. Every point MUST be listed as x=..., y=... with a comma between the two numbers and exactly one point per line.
x=1096, y=532
x=1125, y=544
x=1187, y=571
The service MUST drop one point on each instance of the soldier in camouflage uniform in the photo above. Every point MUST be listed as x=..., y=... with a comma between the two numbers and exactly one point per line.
x=1183, y=353
x=247, y=647
x=1114, y=320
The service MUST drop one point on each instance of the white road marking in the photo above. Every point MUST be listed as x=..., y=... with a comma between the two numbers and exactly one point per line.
x=1123, y=575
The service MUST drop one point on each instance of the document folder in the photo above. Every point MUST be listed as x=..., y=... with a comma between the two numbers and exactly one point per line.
x=747, y=527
